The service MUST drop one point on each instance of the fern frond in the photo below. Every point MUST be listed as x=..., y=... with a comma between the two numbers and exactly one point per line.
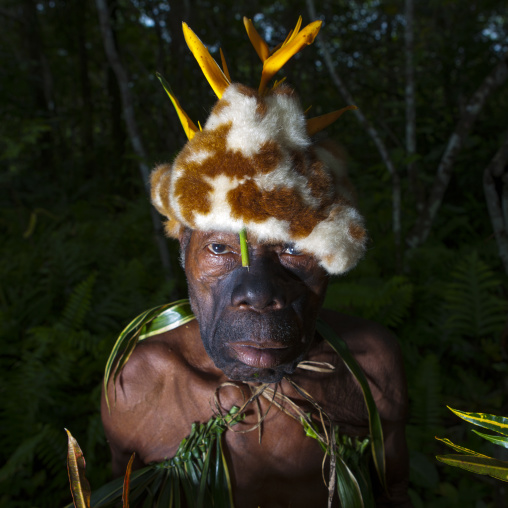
x=385, y=301
x=425, y=388
x=79, y=303
x=472, y=305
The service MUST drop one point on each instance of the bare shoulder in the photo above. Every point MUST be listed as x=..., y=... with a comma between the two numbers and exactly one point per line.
x=148, y=367
x=143, y=393
x=378, y=353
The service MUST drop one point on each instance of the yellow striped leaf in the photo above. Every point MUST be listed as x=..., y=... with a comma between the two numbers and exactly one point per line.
x=481, y=465
x=209, y=66
x=458, y=448
x=76, y=466
x=487, y=421
x=499, y=440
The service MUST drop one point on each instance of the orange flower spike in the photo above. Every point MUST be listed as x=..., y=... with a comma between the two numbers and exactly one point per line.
x=259, y=44
x=295, y=44
x=318, y=123
x=293, y=33
x=188, y=125
x=224, y=65
x=213, y=73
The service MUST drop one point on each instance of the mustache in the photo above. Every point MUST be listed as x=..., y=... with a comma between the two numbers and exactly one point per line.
x=281, y=327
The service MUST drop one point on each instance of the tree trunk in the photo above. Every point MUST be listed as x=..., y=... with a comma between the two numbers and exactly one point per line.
x=495, y=177
x=414, y=184
x=132, y=126
x=444, y=171
x=374, y=135
x=86, y=89
x=41, y=80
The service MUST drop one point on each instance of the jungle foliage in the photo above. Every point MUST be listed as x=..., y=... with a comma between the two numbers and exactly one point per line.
x=79, y=259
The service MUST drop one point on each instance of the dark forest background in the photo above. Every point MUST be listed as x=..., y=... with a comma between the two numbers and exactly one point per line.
x=81, y=251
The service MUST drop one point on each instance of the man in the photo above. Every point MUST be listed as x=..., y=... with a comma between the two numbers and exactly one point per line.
x=263, y=216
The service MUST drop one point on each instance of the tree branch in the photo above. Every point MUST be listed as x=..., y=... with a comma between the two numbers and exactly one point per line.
x=444, y=171
x=132, y=126
x=498, y=205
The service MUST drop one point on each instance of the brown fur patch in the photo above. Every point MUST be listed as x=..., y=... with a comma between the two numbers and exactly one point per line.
x=261, y=108
x=320, y=182
x=159, y=184
x=219, y=106
x=299, y=162
x=226, y=162
x=249, y=204
x=246, y=90
x=192, y=194
x=172, y=227
x=268, y=157
x=356, y=231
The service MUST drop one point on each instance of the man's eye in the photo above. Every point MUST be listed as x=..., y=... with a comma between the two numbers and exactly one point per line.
x=218, y=248
x=291, y=250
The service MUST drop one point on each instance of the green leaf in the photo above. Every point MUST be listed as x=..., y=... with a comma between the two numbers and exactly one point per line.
x=501, y=441
x=347, y=486
x=203, y=484
x=178, y=314
x=376, y=430
x=487, y=421
x=481, y=465
x=157, y=320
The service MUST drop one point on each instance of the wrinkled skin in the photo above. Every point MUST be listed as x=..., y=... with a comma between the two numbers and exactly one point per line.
x=265, y=325
x=257, y=324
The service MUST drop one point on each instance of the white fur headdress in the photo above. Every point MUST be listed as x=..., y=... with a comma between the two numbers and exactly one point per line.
x=253, y=167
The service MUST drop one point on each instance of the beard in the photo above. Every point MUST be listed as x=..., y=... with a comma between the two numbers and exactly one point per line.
x=279, y=337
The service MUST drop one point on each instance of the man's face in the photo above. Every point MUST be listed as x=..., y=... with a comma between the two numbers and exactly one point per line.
x=256, y=323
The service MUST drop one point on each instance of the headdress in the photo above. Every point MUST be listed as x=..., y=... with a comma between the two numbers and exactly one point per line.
x=253, y=167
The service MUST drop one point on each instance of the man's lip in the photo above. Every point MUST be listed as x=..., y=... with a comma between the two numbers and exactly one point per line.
x=262, y=356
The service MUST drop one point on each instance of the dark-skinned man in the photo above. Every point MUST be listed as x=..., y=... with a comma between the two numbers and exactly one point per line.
x=252, y=173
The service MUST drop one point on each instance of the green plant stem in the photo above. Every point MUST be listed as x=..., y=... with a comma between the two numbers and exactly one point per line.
x=244, y=248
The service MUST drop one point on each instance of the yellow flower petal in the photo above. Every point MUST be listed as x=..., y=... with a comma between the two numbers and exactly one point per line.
x=276, y=61
x=188, y=125
x=294, y=32
x=318, y=123
x=224, y=65
x=259, y=44
x=211, y=70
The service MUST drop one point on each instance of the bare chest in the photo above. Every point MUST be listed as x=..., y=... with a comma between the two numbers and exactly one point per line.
x=271, y=464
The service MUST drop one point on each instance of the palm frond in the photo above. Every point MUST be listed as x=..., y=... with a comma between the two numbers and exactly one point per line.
x=197, y=475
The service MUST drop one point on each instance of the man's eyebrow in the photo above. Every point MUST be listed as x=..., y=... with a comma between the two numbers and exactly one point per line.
x=221, y=236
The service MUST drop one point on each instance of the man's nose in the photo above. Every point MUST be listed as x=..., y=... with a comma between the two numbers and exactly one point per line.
x=262, y=287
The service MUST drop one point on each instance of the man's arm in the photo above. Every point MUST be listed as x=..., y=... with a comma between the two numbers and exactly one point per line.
x=378, y=353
